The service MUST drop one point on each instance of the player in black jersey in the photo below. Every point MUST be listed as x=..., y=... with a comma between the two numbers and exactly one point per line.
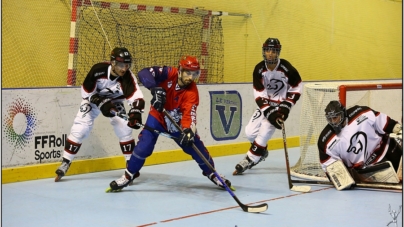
x=277, y=87
x=105, y=88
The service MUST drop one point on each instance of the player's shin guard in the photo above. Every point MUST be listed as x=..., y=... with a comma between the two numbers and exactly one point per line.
x=127, y=148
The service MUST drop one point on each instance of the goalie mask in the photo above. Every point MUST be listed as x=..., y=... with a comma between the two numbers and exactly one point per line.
x=189, y=69
x=271, y=49
x=121, y=57
x=336, y=114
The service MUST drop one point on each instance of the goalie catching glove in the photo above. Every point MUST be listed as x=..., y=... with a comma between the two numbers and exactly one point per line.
x=135, y=114
x=104, y=104
x=187, y=137
x=159, y=98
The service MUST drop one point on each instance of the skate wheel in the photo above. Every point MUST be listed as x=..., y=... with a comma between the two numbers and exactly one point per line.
x=57, y=178
x=110, y=190
x=232, y=188
x=236, y=173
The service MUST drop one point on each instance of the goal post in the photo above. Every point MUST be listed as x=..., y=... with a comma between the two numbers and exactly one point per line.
x=155, y=36
x=384, y=97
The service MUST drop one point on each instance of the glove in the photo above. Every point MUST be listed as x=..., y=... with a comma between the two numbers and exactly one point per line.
x=135, y=116
x=398, y=129
x=159, y=98
x=273, y=115
x=187, y=137
x=104, y=104
x=284, y=109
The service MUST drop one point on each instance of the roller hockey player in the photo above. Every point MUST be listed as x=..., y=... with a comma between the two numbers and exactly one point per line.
x=105, y=88
x=173, y=90
x=359, y=138
x=277, y=87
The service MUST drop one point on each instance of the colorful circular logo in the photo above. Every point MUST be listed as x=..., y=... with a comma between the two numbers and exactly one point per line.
x=20, y=123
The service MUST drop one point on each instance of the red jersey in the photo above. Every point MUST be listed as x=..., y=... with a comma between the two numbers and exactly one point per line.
x=181, y=103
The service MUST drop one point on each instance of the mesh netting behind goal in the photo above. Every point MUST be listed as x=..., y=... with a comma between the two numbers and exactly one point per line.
x=315, y=98
x=154, y=35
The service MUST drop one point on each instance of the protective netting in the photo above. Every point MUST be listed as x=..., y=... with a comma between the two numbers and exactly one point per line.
x=315, y=98
x=154, y=36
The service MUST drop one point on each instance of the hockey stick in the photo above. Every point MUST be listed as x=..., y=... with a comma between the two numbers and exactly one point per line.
x=126, y=117
x=376, y=185
x=251, y=209
x=291, y=186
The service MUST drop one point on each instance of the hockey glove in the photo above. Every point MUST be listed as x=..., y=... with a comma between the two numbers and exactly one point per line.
x=159, y=98
x=104, y=104
x=284, y=109
x=274, y=118
x=187, y=137
x=135, y=117
x=272, y=114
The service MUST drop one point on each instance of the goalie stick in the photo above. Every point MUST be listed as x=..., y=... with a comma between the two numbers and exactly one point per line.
x=251, y=209
x=126, y=117
x=375, y=185
x=291, y=186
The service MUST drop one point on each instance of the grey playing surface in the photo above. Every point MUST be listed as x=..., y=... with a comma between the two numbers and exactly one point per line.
x=177, y=194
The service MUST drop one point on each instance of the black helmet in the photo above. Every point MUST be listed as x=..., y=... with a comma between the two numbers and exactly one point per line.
x=271, y=44
x=121, y=54
x=333, y=110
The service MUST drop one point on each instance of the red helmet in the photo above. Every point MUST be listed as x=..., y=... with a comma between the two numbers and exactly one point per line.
x=190, y=63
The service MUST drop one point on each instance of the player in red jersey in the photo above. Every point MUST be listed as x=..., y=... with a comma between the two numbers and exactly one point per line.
x=174, y=90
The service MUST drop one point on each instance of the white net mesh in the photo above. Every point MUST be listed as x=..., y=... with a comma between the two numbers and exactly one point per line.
x=154, y=36
x=315, y=98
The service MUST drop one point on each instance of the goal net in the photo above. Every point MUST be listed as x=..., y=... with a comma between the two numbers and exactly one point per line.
x=384, y=97
x=155, y=35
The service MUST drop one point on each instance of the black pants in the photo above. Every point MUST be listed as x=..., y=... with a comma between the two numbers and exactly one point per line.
x=394, y=154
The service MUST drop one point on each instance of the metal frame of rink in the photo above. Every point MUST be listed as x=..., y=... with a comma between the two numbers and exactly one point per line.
x=177, y=194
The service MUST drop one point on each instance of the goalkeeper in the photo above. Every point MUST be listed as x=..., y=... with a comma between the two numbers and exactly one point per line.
x=359, y=137
x=174, y=90
x=277, y=87
x=105, y=88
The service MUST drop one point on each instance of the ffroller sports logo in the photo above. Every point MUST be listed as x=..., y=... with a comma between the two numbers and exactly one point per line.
x=20, y=123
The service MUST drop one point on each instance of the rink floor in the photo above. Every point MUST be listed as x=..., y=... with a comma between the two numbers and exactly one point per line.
x=177, y=194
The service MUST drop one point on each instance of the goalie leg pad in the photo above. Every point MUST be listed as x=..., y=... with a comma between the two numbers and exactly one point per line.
x=339, y=175
x=381, y=172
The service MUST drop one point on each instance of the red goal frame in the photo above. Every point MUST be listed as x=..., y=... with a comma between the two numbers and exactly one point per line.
x=357, y=87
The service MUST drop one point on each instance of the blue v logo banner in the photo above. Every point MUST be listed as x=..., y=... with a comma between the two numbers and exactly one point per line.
x=225, y=114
